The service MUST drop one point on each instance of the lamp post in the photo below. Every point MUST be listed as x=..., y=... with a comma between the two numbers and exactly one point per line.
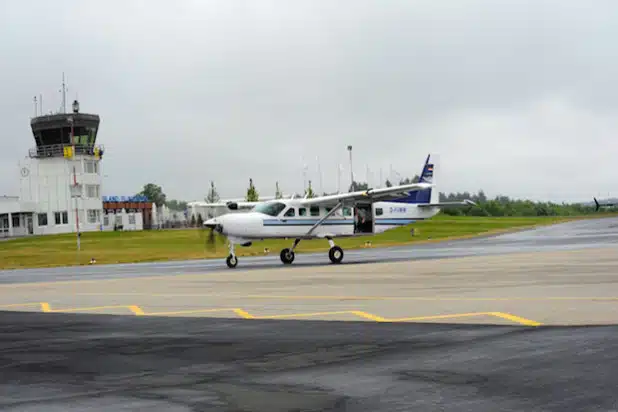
x=351, y=170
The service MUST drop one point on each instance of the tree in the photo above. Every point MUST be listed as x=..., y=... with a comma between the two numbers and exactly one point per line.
x=309, y=192
x=193, y=221
x=388, y=183
x=252, y=194
x=154, y=194
x=213, y=195
x=176, y=205
x=200, y=220
x=356, y=186
x=278, y=194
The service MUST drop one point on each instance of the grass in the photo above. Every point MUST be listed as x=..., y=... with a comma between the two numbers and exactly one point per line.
x=151, y=246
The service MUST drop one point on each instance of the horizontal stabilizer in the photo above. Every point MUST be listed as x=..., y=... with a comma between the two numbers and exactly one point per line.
x=465, y=202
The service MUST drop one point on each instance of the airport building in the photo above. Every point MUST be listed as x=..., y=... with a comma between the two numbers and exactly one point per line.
x=60, y=186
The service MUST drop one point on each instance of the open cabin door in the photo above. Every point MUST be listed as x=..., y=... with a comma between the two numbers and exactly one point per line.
x=363, y=218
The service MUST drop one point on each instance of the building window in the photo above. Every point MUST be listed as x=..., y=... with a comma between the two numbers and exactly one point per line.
x=94, y=216
x=92, y=191
x=90, y=166
x=42, y=217
x=16, y=221
x=118, y=220
x=62, y=218
x=131, y=219
x=105, y=220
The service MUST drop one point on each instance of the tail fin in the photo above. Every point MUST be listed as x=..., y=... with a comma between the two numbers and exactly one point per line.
x=428, y=175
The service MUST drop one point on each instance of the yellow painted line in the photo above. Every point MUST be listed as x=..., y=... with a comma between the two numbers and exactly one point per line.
x=516, y=319
x=136, y=310
x=189, y=312
x=46, y=307
x=244, y=314
x=369, y=316
x=435, y=317
x=306, y=315
x=16, y=305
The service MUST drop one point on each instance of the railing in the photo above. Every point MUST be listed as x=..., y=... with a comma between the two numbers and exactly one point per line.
x=65, y=150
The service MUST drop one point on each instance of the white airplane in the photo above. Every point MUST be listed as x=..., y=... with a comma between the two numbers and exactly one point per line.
x=357, y=213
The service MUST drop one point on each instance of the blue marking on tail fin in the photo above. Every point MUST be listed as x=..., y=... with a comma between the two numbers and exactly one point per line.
x=420, y=196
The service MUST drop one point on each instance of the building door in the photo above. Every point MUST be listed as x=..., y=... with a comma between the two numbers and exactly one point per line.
x=4, y=225
x=29, y=224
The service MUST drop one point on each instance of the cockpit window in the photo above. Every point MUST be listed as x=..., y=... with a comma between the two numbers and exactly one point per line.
x=270, y=209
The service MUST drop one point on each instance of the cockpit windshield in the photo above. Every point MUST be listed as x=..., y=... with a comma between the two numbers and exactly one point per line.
x=270, y=209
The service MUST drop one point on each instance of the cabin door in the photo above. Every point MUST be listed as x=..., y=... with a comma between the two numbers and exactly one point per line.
x=363, y=218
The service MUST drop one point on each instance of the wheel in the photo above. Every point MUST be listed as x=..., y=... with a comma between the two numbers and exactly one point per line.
x=287, y=256
x=335, y=254
x=231, y=261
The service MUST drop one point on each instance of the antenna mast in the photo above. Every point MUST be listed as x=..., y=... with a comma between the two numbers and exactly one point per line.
x=64, y=95
x=35, y=108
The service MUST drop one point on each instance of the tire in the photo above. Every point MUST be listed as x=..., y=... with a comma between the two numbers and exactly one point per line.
x=231, y=261
x=335, y=254
x=287, y=256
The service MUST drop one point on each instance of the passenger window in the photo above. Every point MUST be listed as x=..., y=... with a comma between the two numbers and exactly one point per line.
x=328, y=209
x=379, y=211
x=302, y=211
x=290, y=212
x=314, y=211
x=347, y=211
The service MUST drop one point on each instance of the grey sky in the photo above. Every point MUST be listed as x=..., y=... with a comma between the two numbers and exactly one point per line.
x=517, y=97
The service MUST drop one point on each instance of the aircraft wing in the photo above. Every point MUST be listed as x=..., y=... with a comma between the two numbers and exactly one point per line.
x=465, y=202
x=382, y=194
x=230, y=205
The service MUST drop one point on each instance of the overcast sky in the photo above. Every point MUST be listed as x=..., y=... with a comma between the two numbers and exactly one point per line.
x=517, y=97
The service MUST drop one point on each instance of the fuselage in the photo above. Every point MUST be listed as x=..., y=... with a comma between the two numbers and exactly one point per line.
x=290, y=220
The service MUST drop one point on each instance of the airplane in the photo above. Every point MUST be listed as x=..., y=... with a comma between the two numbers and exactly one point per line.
x=358, y=213
x=600, y=205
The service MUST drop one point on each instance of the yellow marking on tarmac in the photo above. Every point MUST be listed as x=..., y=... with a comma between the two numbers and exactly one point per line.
x=136, y=310
x=46, y=307
x=16, y=305
x=516, y=319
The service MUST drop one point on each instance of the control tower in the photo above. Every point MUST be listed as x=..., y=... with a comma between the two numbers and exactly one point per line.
x=61, y=177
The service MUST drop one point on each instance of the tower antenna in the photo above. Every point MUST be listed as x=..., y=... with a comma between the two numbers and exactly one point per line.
x=64, y=95
x=35, y=108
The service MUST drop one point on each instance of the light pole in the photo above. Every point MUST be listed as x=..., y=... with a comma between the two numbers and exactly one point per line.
x=351, y=170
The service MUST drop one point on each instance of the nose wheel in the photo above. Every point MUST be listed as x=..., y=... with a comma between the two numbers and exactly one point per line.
x=231, y=260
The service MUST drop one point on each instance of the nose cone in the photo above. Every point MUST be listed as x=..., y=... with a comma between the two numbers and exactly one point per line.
x=211, y=223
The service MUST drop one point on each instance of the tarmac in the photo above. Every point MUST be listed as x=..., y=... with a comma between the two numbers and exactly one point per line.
x=523, y=321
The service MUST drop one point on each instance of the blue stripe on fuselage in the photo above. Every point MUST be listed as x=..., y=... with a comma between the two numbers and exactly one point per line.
x=329, y=222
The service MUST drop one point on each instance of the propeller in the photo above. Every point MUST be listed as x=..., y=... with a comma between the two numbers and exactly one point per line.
x=211, y=243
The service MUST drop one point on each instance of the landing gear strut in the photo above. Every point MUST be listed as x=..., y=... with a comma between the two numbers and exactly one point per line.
x=287, y=254
x=231, y=260
x=335, y=254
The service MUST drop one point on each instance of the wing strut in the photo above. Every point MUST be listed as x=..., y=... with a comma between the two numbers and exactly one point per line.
x=329, y=214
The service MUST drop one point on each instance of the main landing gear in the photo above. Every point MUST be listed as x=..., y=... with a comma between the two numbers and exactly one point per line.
x=335, y=254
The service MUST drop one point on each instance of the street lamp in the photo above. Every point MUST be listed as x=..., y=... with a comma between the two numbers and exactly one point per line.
x=351, y=172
